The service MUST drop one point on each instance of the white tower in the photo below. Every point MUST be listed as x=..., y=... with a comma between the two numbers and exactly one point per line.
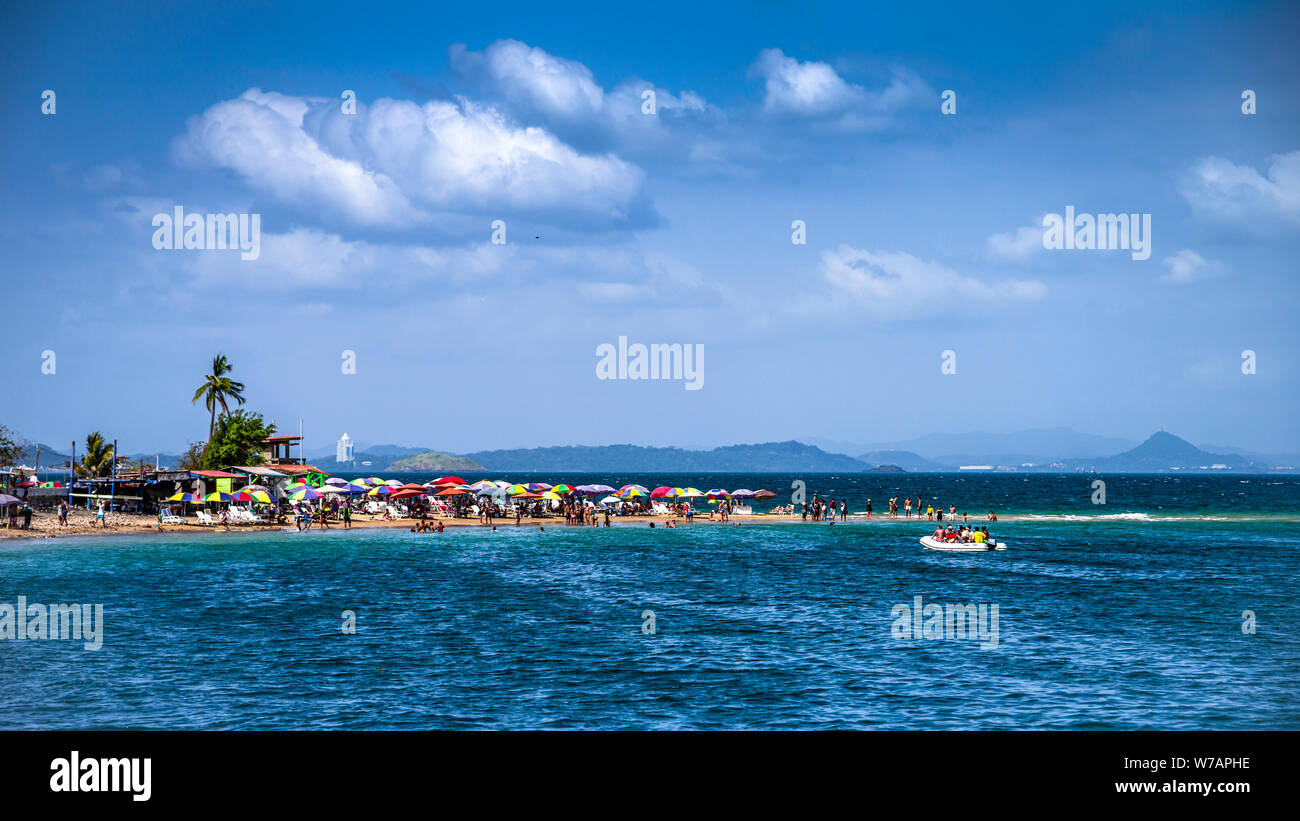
x=343, y=453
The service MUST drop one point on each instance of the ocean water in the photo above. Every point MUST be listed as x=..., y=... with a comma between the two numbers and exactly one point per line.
x=1122, y=616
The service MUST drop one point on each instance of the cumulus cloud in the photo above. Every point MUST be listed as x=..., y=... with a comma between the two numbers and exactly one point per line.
x=1221, y=190
x=815, y=89
x=1187, y=266
x=897, y=284
x=565, y=96
x=397, y=163
x=1019, y=246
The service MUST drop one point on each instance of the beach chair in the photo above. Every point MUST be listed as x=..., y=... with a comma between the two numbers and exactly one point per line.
x=205, y=518
x=172, y=519
x=660, y=509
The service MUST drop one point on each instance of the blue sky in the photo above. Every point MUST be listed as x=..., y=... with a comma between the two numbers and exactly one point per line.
x=923, y=229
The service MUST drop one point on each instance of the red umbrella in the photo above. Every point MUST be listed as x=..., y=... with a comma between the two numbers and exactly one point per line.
x=407, y=493
x=660, y=492
x=413, y=486
x=764, y=494
x=449, y=480
x=451, y=491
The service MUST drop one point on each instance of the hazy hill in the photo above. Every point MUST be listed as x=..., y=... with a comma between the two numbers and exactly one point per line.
x=769, y=456
x=434, y=461
x=1163, y=451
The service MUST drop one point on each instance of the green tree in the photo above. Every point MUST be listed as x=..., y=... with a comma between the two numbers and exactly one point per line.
x=11, y=446
x=98, y=458
x=193, y=458
x=216, y=389
x=237, y=440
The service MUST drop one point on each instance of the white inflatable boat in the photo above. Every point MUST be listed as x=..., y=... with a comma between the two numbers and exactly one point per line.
x=931, y=543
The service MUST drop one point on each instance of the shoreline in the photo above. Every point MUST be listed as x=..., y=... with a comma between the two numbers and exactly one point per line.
x=45, y=526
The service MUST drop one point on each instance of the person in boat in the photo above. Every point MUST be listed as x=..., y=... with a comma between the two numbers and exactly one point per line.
x=938, y=534
x=978, y=537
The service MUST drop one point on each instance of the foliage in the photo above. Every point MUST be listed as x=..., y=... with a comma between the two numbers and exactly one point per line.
x=216, y=389
x=11, y=446
x=193, y=458
x=98, y=458
x=237, y=440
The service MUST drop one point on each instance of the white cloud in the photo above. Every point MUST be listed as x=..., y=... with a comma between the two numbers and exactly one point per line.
x=813, y=89
x=1187, y=266
x=564, y=94
x=399, y=164
x=897, y=284
x=530, y=76
x=1222, y=190
x=1016, y=247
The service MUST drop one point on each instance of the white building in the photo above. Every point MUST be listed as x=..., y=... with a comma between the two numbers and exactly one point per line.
x=343, y=453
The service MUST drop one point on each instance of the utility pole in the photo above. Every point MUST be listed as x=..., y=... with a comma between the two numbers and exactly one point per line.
x=72, y=473
x=112, y=485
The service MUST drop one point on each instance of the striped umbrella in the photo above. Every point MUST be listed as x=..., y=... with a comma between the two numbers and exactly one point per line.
x=247, y=495
x=517, y=490
x=691, y=493
x=305, y=494
x=380, y=490
x=718, y=493
x=218, y=496
x=537, y=486
x=185, y=497
x=742, y=493
x=662, y=492
x=563, y=489
x=645, y=491
x=550, y=496
x=630, y=492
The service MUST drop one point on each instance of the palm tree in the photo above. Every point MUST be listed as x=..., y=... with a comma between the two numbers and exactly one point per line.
x=98, y=460
x=216, y=389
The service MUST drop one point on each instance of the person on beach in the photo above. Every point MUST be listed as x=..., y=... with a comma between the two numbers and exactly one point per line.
x=907, y=507
x=992, y=518
x=225, y=518
x=27, y=516
x=868, y=510
x=100, y=514
x=63, y=514
x=347, y=517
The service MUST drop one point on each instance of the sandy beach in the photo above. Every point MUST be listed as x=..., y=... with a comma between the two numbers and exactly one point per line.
x=45, y=524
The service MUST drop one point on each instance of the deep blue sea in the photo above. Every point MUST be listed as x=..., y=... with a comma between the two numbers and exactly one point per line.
x=1127, y=615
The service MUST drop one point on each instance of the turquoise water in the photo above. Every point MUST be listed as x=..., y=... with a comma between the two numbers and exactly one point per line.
x=1104, y=623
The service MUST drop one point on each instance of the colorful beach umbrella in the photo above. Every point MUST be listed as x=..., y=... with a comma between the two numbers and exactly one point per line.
x=563, y=489
x=630, y=493
x=185, y=497
x=305, y=494
x=742, y=493
x=661, y=492
x=380, y=490
x=218, y=496
x=517, y=490
x=717, y=493
x=449, y=480
x=691, y=493
x=550, y=496
x=51, y=484
x=451, y=491
x=247, y=495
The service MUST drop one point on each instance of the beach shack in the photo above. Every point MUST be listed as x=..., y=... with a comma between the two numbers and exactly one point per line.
x=142, y=491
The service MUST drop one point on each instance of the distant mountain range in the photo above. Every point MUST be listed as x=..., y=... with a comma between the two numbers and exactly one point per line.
x=1032, y=450
x=769, y=456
